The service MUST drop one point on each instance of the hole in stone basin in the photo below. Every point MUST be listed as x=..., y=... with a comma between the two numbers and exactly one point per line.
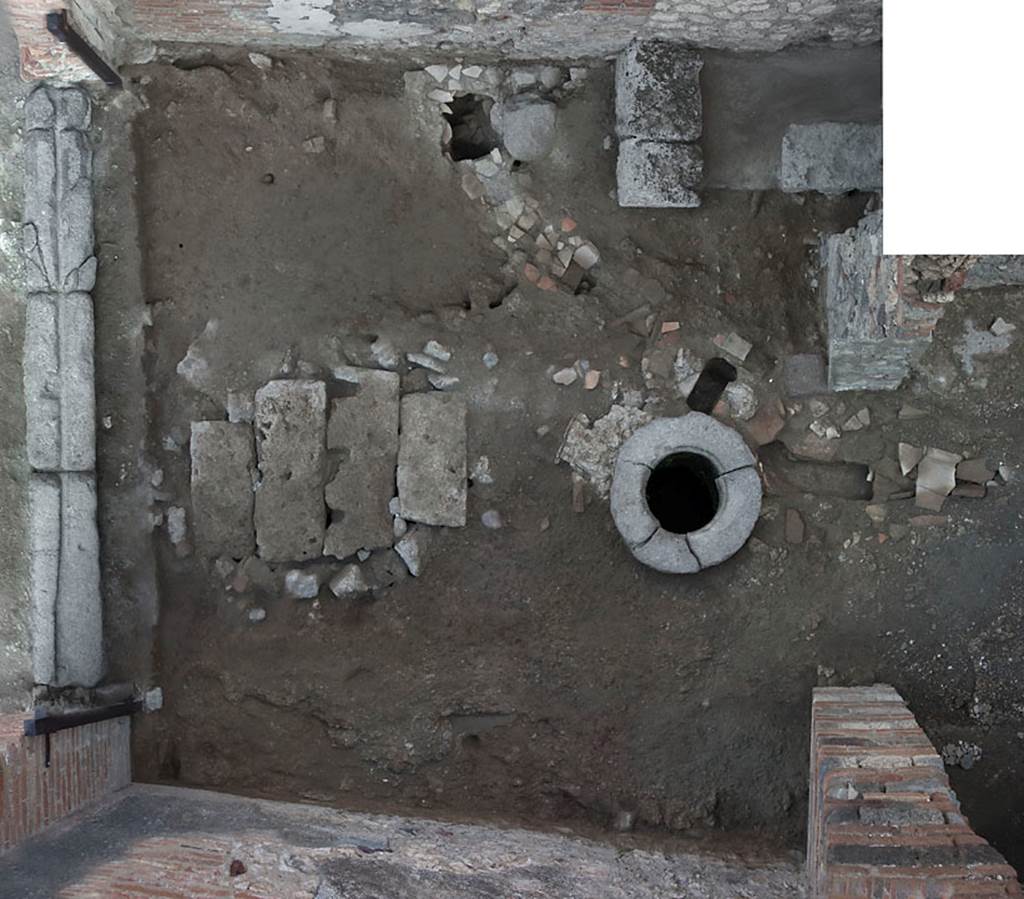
x=472, y=134
x=681, y=492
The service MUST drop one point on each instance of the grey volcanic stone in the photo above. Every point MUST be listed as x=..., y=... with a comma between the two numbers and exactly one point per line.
x=658, y=174
x=79, y=609
x=739, y=497
x=58, y=229
x=739, y=487
x=657, y=92
x=831, y=157
x=693, y=432
x=628, y=503
x=432, y=459
x=223, y=465
x=860, y=285
x=290, y=426
x=363, y=430
x=527, y=126
x=667, y=552
x=60, y=400
x=44, y=566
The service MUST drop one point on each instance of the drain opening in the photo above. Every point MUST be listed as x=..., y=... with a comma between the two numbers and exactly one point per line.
x=470, y=120
x=681, y=492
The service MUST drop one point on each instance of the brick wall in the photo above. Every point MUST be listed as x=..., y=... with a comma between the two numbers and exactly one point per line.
x=883, y=822
x=86, y=764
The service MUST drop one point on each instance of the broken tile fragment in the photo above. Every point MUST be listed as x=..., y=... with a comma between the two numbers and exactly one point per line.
x=591, y=379
x=422, y=360
x=976, y=471
x=733, y=344
x=565, y=376
x=936, y=478
x=909, y=457
x=437, y=350
x=1001, y=327
x=910, y=413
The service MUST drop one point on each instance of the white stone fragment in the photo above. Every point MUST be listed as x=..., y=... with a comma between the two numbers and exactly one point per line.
x=437, y=350
x=565, y=376
x=438, y=73
x=349, y=582
x=301, y=584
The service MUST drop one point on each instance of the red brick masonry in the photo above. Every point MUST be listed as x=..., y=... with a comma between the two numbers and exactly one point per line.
x=883, y=822
x=86, y=763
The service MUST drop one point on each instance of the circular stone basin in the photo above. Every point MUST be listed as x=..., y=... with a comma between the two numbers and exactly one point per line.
x=685, y=493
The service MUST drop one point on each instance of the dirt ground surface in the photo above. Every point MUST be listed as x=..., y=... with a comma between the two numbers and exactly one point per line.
x=533, y=673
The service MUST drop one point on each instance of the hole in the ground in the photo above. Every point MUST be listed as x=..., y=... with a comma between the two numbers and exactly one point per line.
x=714, y=378
x=472, y=134
x=681, y=492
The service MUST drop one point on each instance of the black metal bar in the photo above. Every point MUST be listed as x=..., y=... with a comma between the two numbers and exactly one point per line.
x=44, y=723
x=57, y=24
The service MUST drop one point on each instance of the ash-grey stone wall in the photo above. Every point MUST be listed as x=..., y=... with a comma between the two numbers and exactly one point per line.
x=497, y=28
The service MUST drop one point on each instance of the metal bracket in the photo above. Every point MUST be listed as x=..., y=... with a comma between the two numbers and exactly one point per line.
x=58, y=25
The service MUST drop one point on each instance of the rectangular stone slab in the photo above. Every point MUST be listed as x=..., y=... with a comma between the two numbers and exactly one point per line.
x=432, y=459
x=831, y=157
x=363, y=433
x=658, y=174
x=60, y=400
x=44, y=562
x=289, y=512
x=657, y=92
x=223, y=463
x=79, y=617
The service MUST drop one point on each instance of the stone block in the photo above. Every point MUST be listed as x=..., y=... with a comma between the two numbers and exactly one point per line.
x=363, y=434
x=60, y=402
x=432, y=459
x=223, y=465
x=868, y=346
x=527, y=126
x=58, y=220
x=657, y=92
x=289, y=512
x=79, y=608
x=44, y=566
x=658, y=174
x=831, y=157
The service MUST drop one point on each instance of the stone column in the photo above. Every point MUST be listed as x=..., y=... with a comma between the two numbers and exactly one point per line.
x=60, y=404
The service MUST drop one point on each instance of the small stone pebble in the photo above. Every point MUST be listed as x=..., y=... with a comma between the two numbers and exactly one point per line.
x=490, y=359
x=565, y=376
x=491, y=519
x=257, y=615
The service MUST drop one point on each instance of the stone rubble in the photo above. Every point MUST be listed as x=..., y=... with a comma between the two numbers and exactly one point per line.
x=349, y=582
x=299, y=584
x=413, y=549
x=591, y=449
